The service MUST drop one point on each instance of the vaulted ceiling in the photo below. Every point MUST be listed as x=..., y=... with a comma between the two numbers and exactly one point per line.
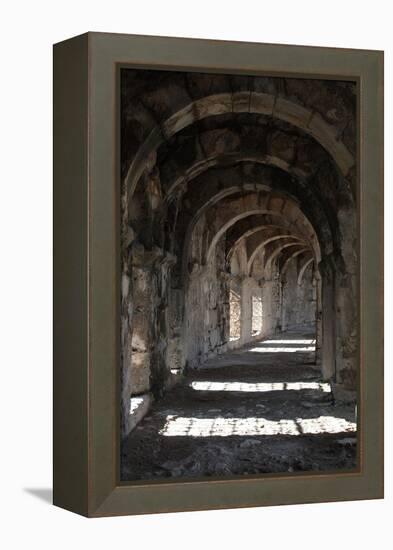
x=267, y=162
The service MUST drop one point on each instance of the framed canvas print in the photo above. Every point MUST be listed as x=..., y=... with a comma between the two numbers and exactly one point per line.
x=218, y=260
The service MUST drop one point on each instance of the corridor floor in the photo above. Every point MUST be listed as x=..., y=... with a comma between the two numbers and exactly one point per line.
x=261, y=409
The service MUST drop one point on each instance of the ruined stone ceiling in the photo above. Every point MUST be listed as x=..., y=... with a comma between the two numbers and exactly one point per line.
x=273, y=157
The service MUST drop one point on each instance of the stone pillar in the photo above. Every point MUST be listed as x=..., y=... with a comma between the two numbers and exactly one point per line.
x=144, y=321
x=347, y=337
x=346, y=333
x=126, y=352
x=162, y=263
x=142, y=293
x=271, y=298
x=137, y=369
x=175, y=357
x=126, y=328
x=246, y=311
x=283, y=308
x=328, y=320
x=318, y=320
x=194, y=315
x=223, y=281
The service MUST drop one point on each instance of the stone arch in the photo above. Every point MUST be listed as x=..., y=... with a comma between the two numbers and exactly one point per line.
x=223, y=183
x=291, y=257
x=248, y=233
x=264, y=243
x=232, y=221
x=277, y=250
x=211, y=162
x=250, y=206
x=303, y=270
x=311, y=122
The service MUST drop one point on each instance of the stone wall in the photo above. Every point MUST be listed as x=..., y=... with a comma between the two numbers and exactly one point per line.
x=298, y=300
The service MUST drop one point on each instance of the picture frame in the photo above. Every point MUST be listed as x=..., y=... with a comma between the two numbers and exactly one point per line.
x=87, y=273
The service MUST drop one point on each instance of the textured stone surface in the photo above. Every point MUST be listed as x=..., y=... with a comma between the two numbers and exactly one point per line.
x=140, y=372
x=239, y=184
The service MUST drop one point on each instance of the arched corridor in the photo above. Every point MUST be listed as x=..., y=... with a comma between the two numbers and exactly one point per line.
x=239, y=274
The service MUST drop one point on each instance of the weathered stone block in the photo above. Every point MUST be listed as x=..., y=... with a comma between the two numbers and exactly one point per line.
x=292, y=113
x=261, y=103
x=140, y=372
x=241, y=102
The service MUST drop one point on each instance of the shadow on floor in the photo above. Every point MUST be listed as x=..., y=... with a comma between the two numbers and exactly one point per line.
x=44, y=494
x=261, y=409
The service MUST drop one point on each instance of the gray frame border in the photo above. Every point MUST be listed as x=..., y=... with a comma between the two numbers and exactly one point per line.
x=86, y=273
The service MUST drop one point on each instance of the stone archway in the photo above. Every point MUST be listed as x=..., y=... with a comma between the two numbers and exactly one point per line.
x=238, y=223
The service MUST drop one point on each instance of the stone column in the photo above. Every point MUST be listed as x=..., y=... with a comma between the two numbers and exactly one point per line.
x=143, y=319
x=126, y=327
x=347, y=337
x=126, y=351
x=162, y=263
x=346, y=333
x=223, y=281
x=246, y=311
x=318, y=320
x=174, y=353
x=194, y=314
x=136, y=366
x=142, y=293
x=327, y=269
x=283, y=290
x=272, y=310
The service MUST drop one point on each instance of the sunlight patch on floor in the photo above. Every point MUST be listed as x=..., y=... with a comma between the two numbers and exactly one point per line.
x=288, y=342
x=252, y=426
x=282, y=349
x=135, y=403
x=259, y=386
